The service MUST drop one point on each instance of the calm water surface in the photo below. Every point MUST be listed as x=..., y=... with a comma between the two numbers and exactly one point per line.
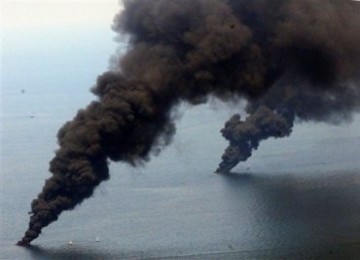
x=296, y=197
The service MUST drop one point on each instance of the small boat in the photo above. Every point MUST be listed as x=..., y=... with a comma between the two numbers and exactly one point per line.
x=70, y=242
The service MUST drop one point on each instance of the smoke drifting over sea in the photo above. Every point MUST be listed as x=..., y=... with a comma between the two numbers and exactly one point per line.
x=290, y=59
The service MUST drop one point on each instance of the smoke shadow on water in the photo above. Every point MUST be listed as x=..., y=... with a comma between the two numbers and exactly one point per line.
x=70, y=252
x=297, y=213
x=271, y=215
x=188, y=51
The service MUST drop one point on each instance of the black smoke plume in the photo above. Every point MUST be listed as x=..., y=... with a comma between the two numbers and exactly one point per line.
x=290, y=59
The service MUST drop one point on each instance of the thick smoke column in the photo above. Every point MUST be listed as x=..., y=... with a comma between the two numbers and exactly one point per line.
x=313, y=60
x=244, y=136
x=290, y=59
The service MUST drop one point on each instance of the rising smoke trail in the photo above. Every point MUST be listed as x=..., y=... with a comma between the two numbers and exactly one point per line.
x=290, y=59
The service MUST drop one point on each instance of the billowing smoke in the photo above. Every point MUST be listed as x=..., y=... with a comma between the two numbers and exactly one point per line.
x=244, y=136
x=290, y=59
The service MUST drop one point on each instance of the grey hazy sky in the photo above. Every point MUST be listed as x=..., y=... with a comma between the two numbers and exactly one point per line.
x=28, y=14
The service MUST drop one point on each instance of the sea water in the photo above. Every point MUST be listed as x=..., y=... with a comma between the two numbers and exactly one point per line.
x=294, y=195
x=297, y=196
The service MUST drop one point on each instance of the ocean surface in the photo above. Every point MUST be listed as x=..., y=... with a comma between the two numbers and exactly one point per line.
x=296, y=197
